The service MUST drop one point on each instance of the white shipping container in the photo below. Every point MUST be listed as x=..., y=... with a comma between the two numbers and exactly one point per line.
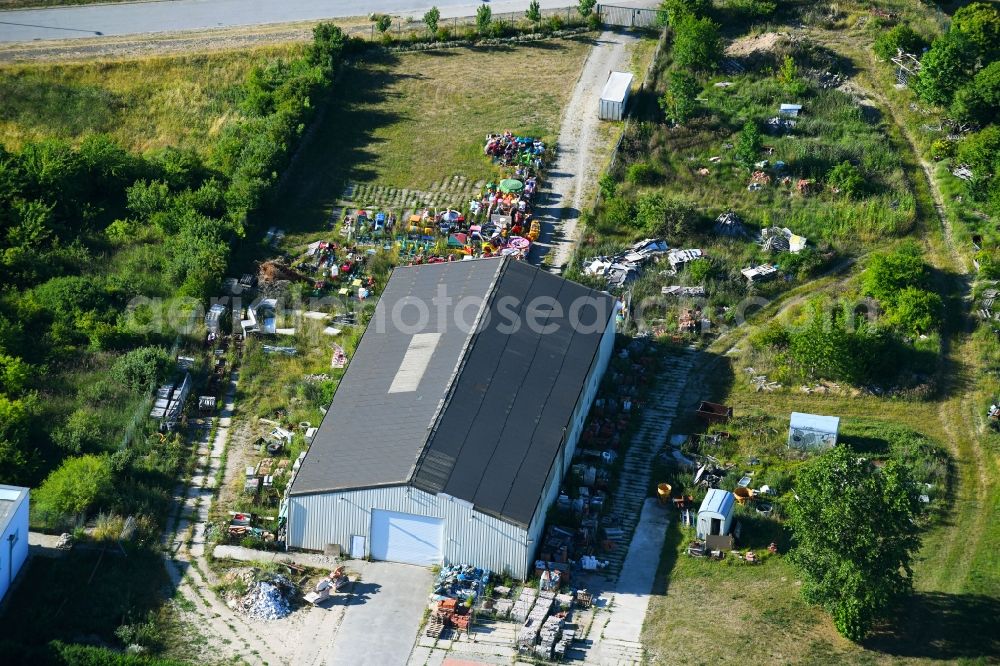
x=614, y=97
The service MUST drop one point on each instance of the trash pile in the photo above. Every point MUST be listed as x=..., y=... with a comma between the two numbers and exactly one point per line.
x=620, y=269
x=266, y=596
x=264, y=601
x=462, y=582
x=781, y=239
x=730, y=224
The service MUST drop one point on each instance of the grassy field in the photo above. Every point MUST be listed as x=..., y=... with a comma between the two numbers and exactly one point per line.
x=710, y=612
x=413, y=120
x=143, y=103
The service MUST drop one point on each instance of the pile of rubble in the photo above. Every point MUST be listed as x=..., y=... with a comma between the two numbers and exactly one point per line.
x=620, y=269
x=265, y=601
x=266, y=597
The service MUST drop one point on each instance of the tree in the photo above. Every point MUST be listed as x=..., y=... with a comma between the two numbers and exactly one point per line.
x=74, y=487
x=678, y=102
x=945, y=68
x=327, y=45
x=585, y=7
x=140, y=369
x=484, y=16
x=979, y=100
x=14, y=374
x=534, y=12
x=980, y=22
x=431, y=18
x=889, y=273
x=748, y=144
x=854, y=534
x=917, y=310
x=826, y=346
x=789, y=77
x=382, y=22
x=697, y=45
x=846, y=178
x=672, y=11
x=900, y=36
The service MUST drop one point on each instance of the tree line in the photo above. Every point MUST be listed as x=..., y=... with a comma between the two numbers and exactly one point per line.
x=85, y=229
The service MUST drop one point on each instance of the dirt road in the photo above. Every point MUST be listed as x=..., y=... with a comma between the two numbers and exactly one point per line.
x=581, y=151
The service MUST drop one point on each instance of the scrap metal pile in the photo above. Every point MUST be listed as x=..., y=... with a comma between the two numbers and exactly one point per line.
x=620, y=269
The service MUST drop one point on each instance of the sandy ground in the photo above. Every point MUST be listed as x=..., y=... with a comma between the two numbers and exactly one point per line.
x=581, y=151
x=136, y=46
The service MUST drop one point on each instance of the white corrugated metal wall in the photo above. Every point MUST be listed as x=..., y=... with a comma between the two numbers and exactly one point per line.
x=470, y=537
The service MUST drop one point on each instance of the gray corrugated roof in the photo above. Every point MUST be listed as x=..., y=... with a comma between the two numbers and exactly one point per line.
x=501, y=426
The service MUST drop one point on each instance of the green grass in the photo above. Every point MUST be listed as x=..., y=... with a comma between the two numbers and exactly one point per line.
x=144, y=103
x=706, y=612
x=413, y=120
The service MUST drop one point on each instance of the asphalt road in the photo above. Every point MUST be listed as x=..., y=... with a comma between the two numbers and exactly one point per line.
x=74, y=22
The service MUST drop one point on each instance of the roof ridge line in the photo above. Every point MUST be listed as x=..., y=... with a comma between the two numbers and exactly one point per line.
x=457, y=371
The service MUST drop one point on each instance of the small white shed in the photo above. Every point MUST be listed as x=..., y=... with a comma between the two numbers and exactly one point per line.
x=615, y=96
x=812, y=432
x=715, y=517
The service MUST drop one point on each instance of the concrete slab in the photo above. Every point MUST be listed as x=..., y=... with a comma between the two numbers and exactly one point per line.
x=631, y=595
x=382, y=620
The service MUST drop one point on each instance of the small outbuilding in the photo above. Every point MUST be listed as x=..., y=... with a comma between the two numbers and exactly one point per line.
x=812, y=432
x=13, y=534
x=614, y=97
x=715, y=517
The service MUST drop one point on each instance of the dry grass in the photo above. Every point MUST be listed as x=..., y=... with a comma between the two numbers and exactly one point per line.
x=143, y=103
x=415, y=119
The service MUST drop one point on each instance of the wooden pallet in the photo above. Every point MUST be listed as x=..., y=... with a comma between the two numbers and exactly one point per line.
x=435, y=627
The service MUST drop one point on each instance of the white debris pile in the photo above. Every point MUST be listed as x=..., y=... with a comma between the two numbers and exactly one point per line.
x=265, y=601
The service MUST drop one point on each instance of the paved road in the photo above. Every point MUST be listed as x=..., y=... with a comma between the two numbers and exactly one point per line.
x=74, y=22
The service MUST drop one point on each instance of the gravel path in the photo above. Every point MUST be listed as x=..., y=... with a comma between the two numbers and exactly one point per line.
x=581, y=150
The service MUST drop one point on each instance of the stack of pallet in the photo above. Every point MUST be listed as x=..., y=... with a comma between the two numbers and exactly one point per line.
x=527, y=636
x=522, y=607
x=548, y=636
x=435, y=627
x=502, y=608
x=461, y=619
x=562, y=647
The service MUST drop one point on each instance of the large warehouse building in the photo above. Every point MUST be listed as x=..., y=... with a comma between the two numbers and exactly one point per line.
x=457, y=419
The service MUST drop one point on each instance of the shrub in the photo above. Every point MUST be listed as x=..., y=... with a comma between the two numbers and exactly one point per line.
x=916, y=310
x=943, y=149
x=846, y=178
x=945, y=68
x=74, y=487
x=901, y=36
x=641, y=173
x=139, y=370
x=753, y=8
x=619, y=212
x=608, y=186
x=678, y=102
x=748, y=144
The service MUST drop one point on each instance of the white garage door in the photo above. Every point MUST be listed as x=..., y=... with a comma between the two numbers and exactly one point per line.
x=406, y=537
